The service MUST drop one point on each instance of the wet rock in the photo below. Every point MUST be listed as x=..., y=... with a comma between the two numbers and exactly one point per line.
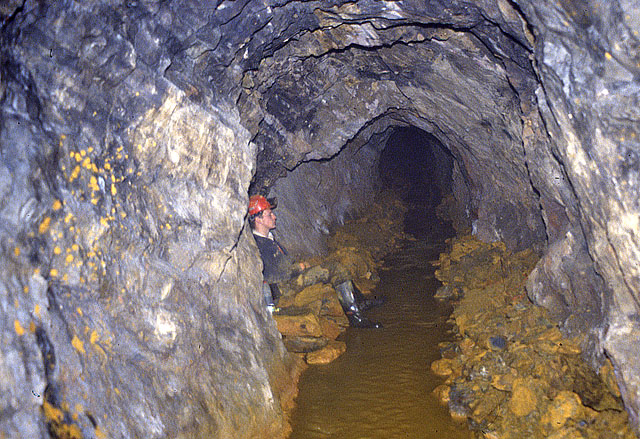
x=306, y=325
x=314, y=293
x=607, y=375
x=571, y=433
x=460, y=400
x=331, y=307
x=441, y=392
x=497, y=342
x=449, y=350
x=327, y=354
x=523, y=398
x=367, y=283
x=566, y=405
x=504, y=382
x=448, y=292
x=519, y=373
x=330, y=329
x=443, y=367
x=355, y=260
x=303, y=344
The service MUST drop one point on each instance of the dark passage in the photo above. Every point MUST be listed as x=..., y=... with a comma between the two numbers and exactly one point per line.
x=418, y=167
x=381, y=387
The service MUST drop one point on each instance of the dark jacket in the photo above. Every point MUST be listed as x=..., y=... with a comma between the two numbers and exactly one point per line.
x=278, y=266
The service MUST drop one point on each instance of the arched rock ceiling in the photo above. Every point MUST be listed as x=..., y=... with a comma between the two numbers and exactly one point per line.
x=450, y=72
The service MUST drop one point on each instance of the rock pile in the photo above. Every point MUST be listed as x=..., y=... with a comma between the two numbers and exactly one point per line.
x=511, y=373
x=309, y=315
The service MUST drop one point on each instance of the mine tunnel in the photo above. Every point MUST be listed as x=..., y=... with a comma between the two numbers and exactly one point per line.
x=132, y=135
x=378, y=387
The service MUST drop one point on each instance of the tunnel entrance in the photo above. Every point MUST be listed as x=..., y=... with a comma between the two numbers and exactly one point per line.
x=419, y=168
x=381, y=387
x=416, y=165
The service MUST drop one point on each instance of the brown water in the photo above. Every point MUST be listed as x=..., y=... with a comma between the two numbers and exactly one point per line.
x=380, y=388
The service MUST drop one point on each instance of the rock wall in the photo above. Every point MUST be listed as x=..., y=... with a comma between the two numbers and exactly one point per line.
x=130, y=133
x=318, y=195
x=131, y=303
x=587, y=59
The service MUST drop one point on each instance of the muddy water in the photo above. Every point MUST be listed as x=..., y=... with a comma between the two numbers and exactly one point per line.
x=381, y=387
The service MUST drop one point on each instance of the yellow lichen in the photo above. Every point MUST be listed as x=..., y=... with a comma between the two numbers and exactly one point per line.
x=77, y=343
x=53, y=272
x=94, y=337
x=32, y=327
x=36, y=310
x=44, y=225
x=25, y=289
x=93, y=183
x=16, y=251
x=57, y=204
x=57, y=250
x=52, y=413
x=18, y=327
x=69, y=259
x=75, y=173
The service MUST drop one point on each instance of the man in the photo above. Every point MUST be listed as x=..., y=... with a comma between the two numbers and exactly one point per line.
x=278, y=266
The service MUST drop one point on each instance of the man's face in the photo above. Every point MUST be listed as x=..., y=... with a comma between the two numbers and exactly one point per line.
x=268, y=219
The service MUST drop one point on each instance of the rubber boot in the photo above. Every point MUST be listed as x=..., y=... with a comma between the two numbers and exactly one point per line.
x=364, y=302
x=350, y=307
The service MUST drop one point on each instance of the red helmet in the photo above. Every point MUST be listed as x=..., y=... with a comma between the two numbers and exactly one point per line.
x=258, y=203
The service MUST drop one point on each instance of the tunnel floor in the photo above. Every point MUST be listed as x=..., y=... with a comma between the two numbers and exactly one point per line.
x=381, y=387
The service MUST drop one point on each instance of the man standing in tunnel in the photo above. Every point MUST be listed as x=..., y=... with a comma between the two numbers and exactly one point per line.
x=278, y=266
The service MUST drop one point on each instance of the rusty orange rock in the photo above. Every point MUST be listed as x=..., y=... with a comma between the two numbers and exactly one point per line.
x=327, y=354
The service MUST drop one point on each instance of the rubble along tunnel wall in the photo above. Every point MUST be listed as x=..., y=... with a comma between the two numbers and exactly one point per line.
x=131, y=132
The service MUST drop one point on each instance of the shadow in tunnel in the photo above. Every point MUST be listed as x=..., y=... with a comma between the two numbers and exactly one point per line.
x=381, y=387
x=418, y=167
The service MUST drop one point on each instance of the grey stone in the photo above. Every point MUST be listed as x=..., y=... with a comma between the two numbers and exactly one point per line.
x=131, y=133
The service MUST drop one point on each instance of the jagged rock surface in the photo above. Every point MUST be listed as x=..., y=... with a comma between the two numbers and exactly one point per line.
x=130, y=133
